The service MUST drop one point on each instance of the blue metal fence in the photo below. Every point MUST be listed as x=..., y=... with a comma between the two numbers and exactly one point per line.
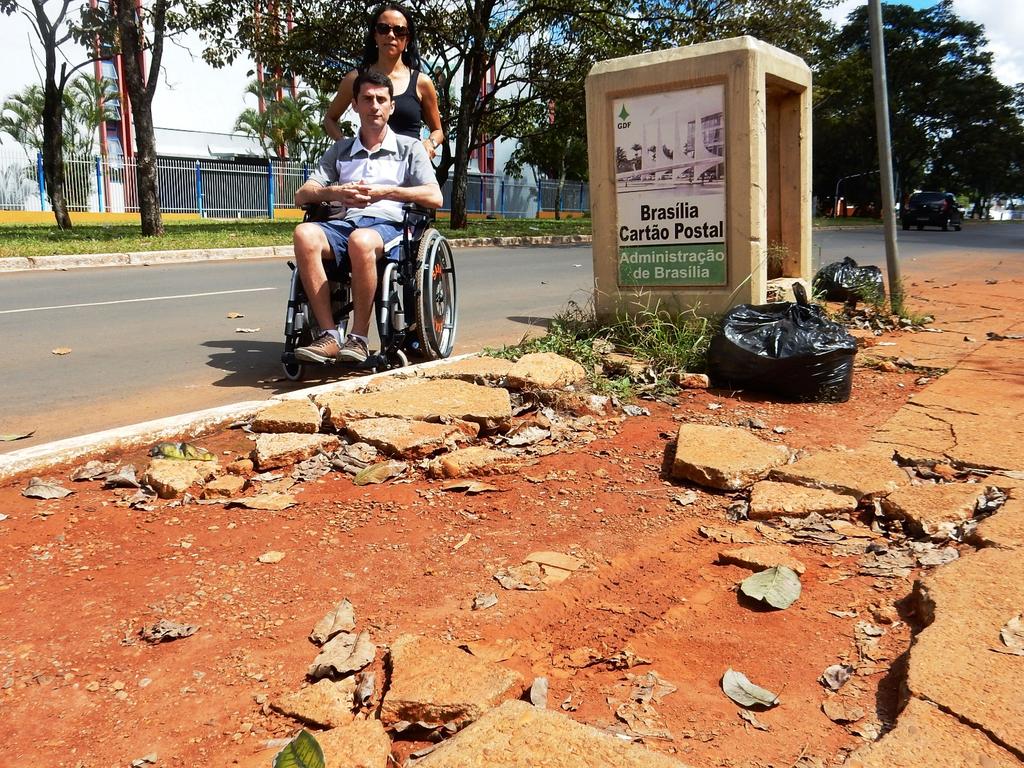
x=245, y=188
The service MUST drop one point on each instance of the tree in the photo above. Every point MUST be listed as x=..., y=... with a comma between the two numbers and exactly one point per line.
x=953, y=125
x=485, y=55
x=52, y=31
x=21, y=116
x=293, y=123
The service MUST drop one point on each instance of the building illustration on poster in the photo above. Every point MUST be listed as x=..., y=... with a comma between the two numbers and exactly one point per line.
x=670, y=188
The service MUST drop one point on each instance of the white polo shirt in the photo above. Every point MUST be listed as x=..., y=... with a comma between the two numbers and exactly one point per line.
x=399, y=160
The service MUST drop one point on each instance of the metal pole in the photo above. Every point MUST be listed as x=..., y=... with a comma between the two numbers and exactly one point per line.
x=885, y=155
x=199, y=190
x=99, y=186
x=270, y=189
x=41, y=179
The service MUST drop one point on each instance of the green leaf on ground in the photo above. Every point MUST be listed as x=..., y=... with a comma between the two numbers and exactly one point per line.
x=16, y=436
x=779, y=587
x=738, y=688
x=303, y=751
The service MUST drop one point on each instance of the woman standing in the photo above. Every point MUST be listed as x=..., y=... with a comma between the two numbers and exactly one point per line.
x=391, y=49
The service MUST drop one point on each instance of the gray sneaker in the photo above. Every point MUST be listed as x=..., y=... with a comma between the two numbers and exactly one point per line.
x=324, y=350
x=354, y=350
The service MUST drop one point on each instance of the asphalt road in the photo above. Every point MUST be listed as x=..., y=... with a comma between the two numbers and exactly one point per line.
x=148, y=342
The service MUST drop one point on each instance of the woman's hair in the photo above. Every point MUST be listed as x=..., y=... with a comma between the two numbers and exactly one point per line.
x=411, y=54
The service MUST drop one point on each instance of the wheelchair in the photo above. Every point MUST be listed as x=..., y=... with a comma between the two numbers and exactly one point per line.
x=415, y=309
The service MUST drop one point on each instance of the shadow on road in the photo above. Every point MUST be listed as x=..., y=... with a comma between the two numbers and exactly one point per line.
x=257, y=364
x=536, y=322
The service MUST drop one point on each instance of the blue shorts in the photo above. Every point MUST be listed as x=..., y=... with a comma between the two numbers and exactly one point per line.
x=337, y=232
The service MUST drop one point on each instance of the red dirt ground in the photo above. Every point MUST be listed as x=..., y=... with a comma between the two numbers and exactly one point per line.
x=81, y=576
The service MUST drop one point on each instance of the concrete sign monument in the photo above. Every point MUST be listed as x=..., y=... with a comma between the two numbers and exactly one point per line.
x=699, y=170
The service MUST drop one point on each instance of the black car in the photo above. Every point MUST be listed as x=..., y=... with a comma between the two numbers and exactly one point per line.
x=931, y=209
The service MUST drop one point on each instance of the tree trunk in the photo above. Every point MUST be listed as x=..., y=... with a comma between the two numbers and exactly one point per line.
x=149, y=192
x=561, y=186
x=141, y=94
x=473, y=77
x=459, y=219
x=53, y=141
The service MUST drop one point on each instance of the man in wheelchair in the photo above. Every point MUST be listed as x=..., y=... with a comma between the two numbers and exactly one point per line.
x=366, y=180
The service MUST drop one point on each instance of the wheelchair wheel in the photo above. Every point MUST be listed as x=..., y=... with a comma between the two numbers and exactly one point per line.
x=294, y=371
x=436, y=296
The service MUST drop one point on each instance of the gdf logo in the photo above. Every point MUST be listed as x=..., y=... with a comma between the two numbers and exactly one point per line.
x=623, y=114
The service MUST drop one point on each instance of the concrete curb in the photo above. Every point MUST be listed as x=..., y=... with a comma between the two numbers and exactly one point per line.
x=147, y=258
x=41, y=457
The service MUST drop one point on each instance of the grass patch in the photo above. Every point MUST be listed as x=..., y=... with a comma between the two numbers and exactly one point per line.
x=46, y=240
x=825, y=222
x=660, y=342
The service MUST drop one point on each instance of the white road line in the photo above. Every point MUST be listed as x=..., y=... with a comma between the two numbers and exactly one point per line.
x=132, y=301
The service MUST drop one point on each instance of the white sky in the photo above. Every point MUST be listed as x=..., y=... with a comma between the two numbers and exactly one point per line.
x=191, y=94
x=195, y=96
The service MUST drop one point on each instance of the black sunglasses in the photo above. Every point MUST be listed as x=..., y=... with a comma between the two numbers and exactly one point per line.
x=383, y=29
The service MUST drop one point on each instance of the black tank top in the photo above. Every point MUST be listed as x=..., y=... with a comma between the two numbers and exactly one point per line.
x=407, y=118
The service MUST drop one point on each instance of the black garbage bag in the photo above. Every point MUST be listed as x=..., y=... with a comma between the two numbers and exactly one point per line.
x=789, y=349
x=845, y=281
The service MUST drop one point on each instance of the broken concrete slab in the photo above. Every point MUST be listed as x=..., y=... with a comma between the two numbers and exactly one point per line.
x=475, y=460
x=1004, y=529
x=409, y=438
x=544, y=370
x=965, y=604
x=300, y=416
x=171, y=477
x=476, y=370
x=518, y=735
x=864, y=473
x=935, y=424
x=761, y=557
x=769, y=499
x=436, y=682
x=357, y=744
x=224, y=487
x=424, y=400
x=726, y=458
x=325, y=704
x=924, y=734
x=283, y=450
x=933, y=510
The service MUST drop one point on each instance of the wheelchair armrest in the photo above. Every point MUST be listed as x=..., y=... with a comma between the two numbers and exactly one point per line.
x=416, y=214
x=317, y=212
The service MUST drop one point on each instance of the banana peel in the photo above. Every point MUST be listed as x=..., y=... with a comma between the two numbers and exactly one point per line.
x=181, y=451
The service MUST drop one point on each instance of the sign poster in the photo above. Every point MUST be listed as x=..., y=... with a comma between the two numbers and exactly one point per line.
x=670, y=188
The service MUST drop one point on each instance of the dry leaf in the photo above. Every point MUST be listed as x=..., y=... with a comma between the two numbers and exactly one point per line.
x=234, y=315
x=471, y=487
x=273, y=556
x=341, y=619
x=10, y=438
x=342, y=654
x=379, y=473
x=61, y=351
x=247, y=330
x=1012, y=635
x=40, y=489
